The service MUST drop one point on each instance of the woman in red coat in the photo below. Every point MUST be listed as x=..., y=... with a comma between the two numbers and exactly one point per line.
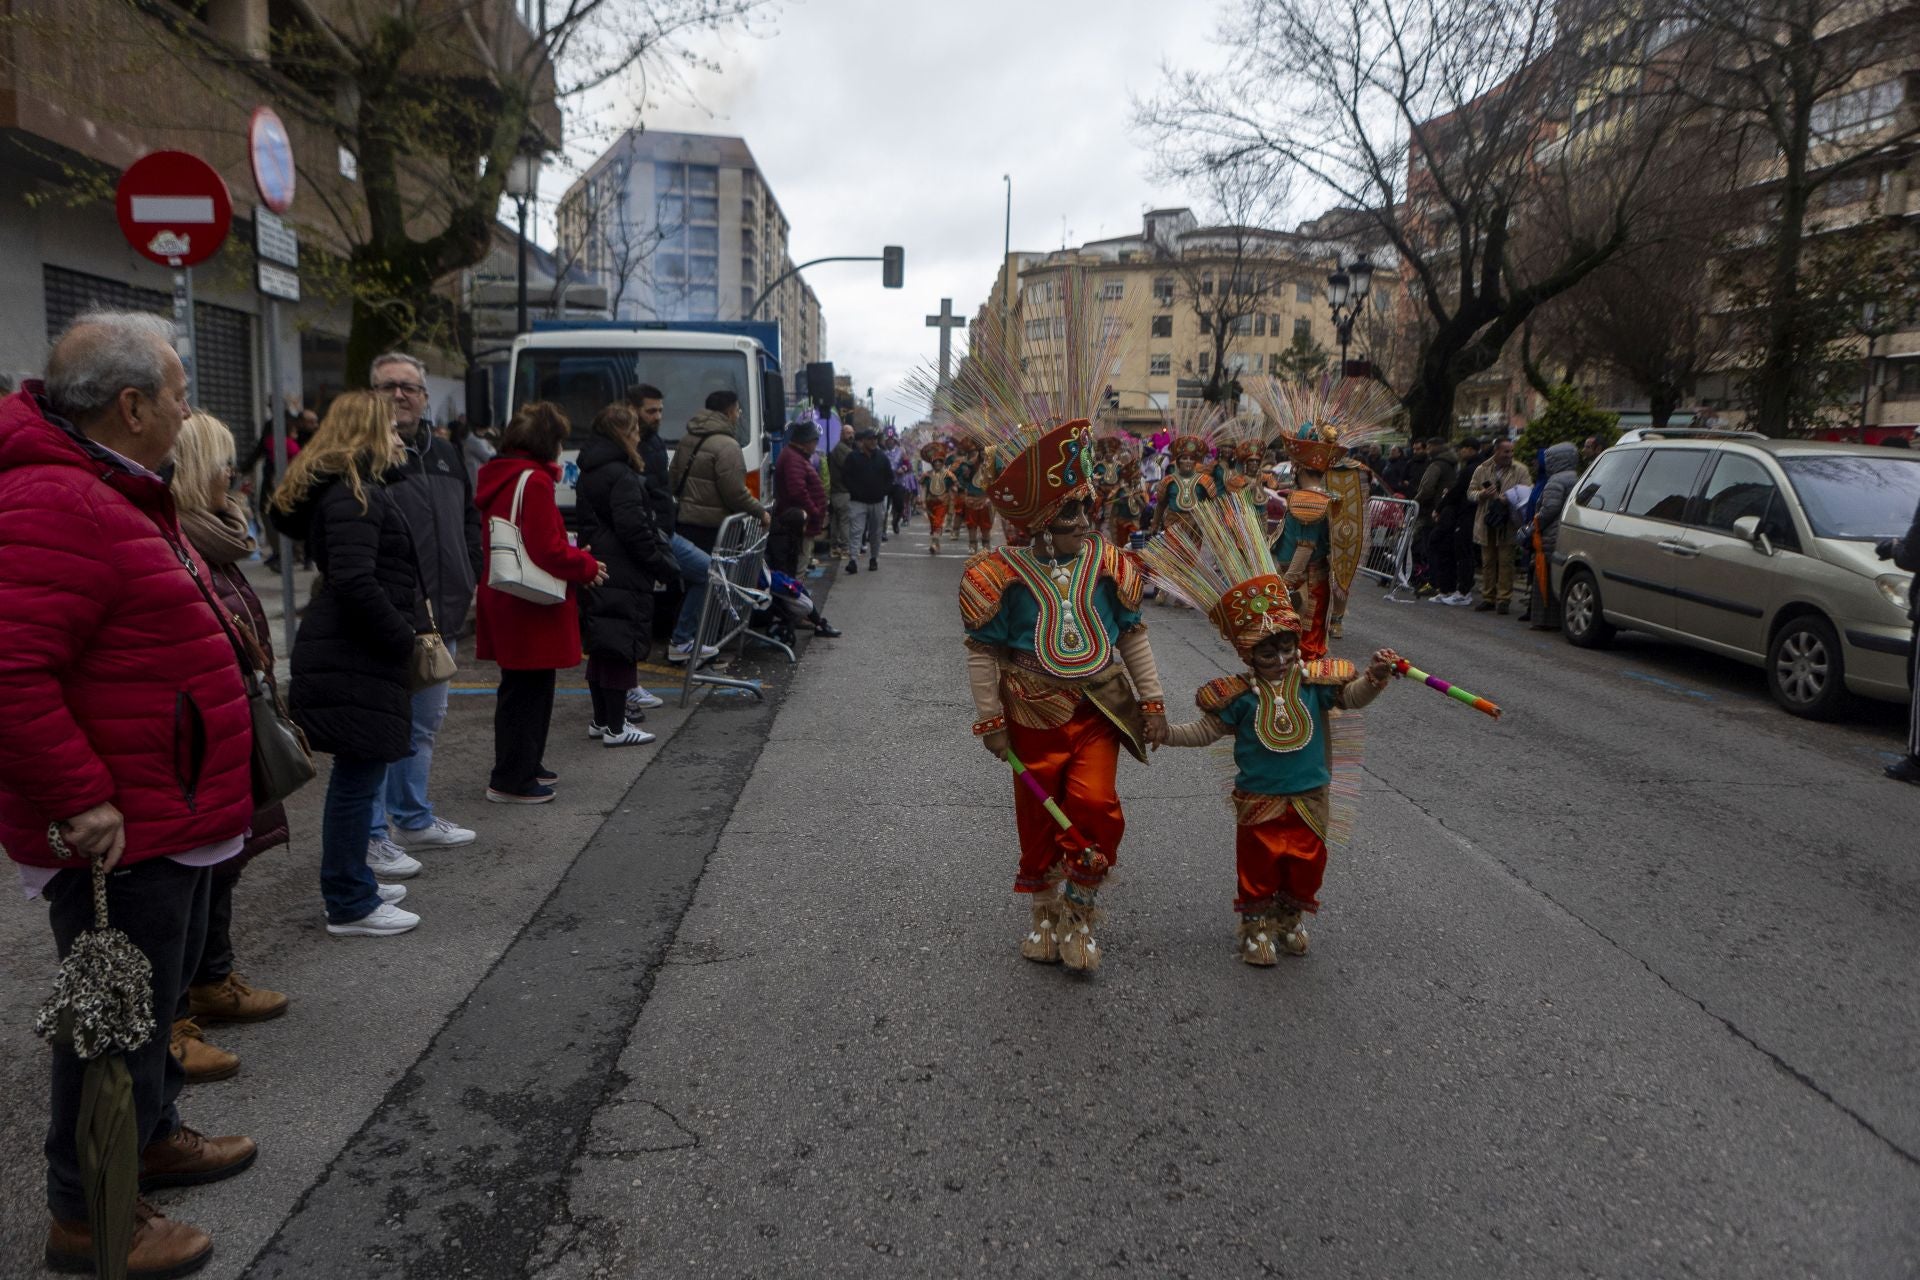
x=530, y=641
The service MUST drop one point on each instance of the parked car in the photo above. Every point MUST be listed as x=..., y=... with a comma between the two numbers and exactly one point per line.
x=1758, y=549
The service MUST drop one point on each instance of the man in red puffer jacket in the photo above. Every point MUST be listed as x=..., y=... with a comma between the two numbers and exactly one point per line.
x=123, y=728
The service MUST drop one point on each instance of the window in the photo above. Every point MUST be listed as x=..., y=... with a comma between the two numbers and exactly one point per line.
x=1110, y=328
x=1206, y=362
x=703, y=180
x=1163, y=290
x=1843, y=191
x=1849, y=496
x=746, y=301
x=1259, y=362
x=1863, y=111
x=1163, y=328
x=669, y=177
x=703, y=209
x=1302, y=330
x=1059, y=326
x=1382, y=297
x=1206, y=284
x=1159, y=366
x=1666, y=484
x=1302, y=292
x=703, y=239
x=1260, y=325
x=1243, y=325
x=1605, y=486
x=1906, y=379
x=1206, y=324
x=1741, y=486
x=1113, y=290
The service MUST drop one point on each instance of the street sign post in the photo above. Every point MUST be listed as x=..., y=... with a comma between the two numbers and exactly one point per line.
x=276, y=274
x=174, y=209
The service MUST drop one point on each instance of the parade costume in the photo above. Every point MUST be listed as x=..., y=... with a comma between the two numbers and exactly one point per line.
x=1058, y=658
x=1323, y=534
x=1242, y=453
x=1296, y=763
x=1127, y=508
x=974, y=471
x=1110, y=452
x=940, y=487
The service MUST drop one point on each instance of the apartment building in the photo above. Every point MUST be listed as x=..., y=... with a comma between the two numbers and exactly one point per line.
x=683, y=226
x=1155, y=288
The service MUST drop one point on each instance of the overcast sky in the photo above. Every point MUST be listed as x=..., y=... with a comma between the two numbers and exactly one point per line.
x=890, y=122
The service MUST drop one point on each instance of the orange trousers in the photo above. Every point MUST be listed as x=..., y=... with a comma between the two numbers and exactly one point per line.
x=1317, y=596
x=937, y=514
x=1075, y=764
x=1281, y=864
x=979, y=515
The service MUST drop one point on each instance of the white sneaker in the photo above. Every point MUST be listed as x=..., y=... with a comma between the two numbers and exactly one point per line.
x=677, y=653
x=439, y=833
x=643, y=700
x=596, y=732
x=383, y=922
x=391, y=893
x=389, y=861
x=1461, y=600
x=630, y=736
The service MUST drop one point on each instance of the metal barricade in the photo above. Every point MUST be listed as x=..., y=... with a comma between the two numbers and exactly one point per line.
x=1387, y=546
x=733, y=593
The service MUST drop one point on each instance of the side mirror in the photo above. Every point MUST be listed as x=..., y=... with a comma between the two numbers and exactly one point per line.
x=1748, y=529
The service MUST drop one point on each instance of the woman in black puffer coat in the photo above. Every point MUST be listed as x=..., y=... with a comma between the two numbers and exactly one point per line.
x=616, y=524
x=350, y=657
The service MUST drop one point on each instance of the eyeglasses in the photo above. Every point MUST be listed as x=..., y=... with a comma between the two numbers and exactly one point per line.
x=411, y=388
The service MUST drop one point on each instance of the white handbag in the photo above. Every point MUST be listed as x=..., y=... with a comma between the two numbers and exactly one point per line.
x=509, y=568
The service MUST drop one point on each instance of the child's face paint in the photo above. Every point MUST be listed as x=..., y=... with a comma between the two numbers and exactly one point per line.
x=1272, y=656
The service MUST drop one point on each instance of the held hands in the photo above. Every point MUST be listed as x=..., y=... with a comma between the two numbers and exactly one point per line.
x=1155, y=732
x=997, y=744
x=1385, y=663
x=99, y=830
x=599, y=573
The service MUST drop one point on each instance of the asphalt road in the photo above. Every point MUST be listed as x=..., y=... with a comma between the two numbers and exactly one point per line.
x=1621, y=985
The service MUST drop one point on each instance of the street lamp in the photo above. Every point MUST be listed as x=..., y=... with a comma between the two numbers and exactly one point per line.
x=523, y=180
x=1869, y=316
x=1347, y=290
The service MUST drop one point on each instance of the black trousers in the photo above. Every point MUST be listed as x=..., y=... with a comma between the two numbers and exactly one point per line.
x=162, y=907
x=216, y=956
x=609, y=706
x=522, y=713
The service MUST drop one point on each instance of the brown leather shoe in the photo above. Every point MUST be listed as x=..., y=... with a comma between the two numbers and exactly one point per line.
x=234, y=999
x=190, y=1157
x=201, y=1061
x=161, y=1248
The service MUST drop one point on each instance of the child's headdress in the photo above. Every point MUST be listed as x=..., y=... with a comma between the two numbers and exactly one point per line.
x=1219, y=562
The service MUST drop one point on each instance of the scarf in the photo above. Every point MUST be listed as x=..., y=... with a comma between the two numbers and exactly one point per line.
x=219, y=536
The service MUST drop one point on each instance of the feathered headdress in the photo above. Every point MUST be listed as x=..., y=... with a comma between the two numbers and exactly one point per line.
x=1320, y=421
x=1195, y=426
x=1219, y=562
x=1243, y=438
x=1030, y=401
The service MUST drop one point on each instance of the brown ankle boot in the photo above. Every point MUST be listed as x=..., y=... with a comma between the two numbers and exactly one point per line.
x=201, y=1061
x=189, y=1158
x=1079, y=949
x=234, y=999
x=1259, y=939
x=1042, y=944
x=1292, y=933
x=161, y=1248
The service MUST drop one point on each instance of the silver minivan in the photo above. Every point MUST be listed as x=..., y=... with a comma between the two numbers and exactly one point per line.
x=1762, y=550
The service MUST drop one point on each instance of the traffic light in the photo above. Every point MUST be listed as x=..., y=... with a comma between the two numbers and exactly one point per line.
x=893, y=266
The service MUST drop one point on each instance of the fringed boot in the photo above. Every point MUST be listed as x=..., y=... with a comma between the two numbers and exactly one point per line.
x=1259, y=940
x=1042, y=943
x=1292, y=933
x=1079, y=949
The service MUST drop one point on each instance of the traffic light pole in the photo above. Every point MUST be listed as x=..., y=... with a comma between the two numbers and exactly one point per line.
x=791, y=272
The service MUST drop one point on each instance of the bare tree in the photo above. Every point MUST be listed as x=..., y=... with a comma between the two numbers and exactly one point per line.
x=1809, y=95
x=1226, y=273
x=433, y=99
x=1444, y=124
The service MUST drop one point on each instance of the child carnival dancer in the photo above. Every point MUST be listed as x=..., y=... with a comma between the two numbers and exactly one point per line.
x=1062, y=674
x=940, y=487
x=1297, y=764
x=1127, y=509
x=974, y=471
x=1187, y=486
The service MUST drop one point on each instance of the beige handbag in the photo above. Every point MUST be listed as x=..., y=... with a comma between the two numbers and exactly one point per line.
x=430, y=664
x=509, y=568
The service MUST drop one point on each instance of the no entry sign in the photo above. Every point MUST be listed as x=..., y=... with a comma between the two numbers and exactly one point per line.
x=173, y=208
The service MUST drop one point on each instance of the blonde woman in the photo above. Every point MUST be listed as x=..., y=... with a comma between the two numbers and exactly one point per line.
x=215, y=522
x=350, y=657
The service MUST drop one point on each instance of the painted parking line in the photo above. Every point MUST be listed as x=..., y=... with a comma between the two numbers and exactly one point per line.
x=1669, y=685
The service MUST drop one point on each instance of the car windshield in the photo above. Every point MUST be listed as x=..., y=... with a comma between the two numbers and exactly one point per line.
x=583, y=381
x=1856, y=496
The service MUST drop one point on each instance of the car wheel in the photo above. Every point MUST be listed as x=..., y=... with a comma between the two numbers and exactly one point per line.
x=1581, y=620
x=1805, y=669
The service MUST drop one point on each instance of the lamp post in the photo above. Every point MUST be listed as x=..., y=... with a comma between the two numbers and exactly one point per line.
x=1347, y=290
x=1869, y=315
x=523, y=180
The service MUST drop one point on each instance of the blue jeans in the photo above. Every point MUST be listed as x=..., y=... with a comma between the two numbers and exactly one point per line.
x=346, y=884
x=693, y=572
x=403, y=797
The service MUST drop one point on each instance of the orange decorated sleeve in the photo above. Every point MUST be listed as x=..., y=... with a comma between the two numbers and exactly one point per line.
x=1328, y=671
x=982, y=583
x=1128, y=581
x=1214, y=695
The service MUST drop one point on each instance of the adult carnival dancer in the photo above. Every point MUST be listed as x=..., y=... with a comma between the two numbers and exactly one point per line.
x=1325, y=527
x=1242, y=448
x=1177, y=497
x=974, y=470
x=1062, y=675
x=1296, y=756
x=940, y=488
